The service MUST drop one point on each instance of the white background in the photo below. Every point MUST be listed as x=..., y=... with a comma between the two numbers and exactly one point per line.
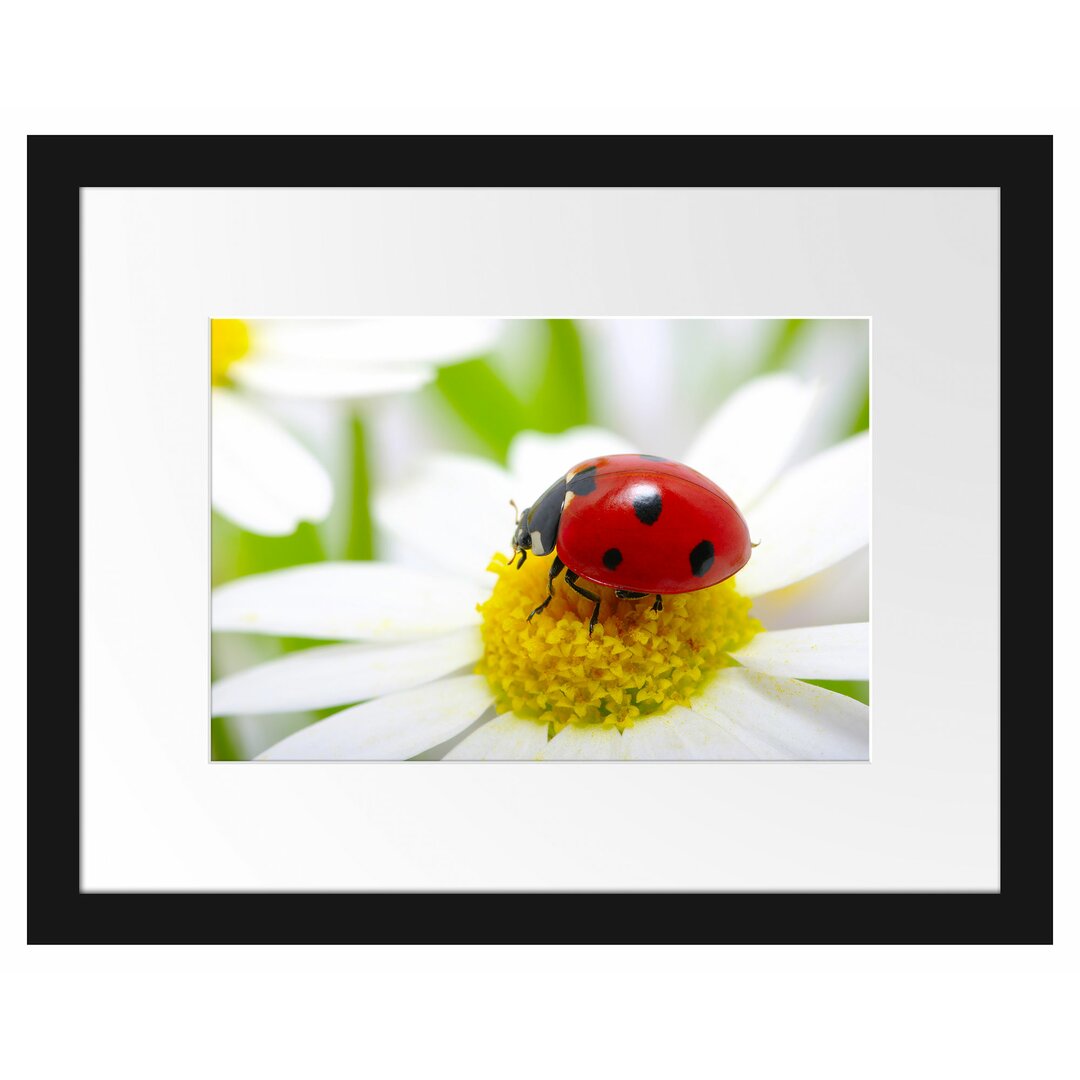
x=922, y=263
x=833, y=67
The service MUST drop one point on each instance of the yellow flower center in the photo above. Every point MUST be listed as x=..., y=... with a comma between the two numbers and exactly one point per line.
x=637, y=662
x=230, y=340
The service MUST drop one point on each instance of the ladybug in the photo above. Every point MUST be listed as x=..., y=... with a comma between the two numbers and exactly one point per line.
x=640, y=524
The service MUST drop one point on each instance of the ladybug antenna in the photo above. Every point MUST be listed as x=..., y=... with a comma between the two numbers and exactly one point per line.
x=517, y=518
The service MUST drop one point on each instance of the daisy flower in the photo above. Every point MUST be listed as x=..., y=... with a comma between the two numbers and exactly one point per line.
x=448, y=665
x=264, y=479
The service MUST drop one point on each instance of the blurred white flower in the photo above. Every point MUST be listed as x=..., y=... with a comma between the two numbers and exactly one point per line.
x=654, y=379
x=417, y=638
x=264, y=478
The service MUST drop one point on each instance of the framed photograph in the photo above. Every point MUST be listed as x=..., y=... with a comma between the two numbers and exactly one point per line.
x=445, y=535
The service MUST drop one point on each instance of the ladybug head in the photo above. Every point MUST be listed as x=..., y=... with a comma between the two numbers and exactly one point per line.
x=537, y=528
x=522, y=539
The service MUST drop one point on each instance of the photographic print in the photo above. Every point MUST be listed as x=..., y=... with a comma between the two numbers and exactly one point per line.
x=540, y=539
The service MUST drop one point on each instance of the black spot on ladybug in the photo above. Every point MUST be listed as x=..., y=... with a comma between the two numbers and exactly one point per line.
x=701, y=558
x=653, y=457
x=584, y=482
x=647, y=504
x=612, y=558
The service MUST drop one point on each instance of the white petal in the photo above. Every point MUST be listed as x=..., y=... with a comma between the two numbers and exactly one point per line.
x=750, y=438
x=326, y=379
x=262, y=478
x=374, y=341
x=455, y=511
x=836, y=352
x=678, y=735
x=341, y=674
x=537, y=460
x=768, y=718
x=633, y=377
x=365, y=601
x=816, y=514
x=814, y=652
x=390, y=728
x=838, y=594
x=586, y=742
x=506, y=738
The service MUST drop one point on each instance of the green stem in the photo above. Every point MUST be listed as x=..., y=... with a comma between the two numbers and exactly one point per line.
x=359, y=544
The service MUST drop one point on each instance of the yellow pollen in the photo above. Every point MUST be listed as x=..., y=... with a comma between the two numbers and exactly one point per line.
x=230, y=340
x=637, y=662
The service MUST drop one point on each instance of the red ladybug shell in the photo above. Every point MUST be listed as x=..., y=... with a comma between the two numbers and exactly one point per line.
x=649, y=525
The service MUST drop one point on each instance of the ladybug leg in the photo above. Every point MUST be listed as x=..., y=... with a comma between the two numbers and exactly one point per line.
x=626, y=594
x=572, y=581
x=557, y=568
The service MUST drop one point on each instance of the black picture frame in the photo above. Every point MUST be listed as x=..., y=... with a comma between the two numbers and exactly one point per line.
x=60, y=166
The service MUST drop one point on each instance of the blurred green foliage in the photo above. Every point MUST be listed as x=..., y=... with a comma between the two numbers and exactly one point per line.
x=787, y=338
x=235, y=552
x=561, y=402
x=483, y=400
x=223, y=747
x=478, y=395
x=859, y=689
x=862, y=416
